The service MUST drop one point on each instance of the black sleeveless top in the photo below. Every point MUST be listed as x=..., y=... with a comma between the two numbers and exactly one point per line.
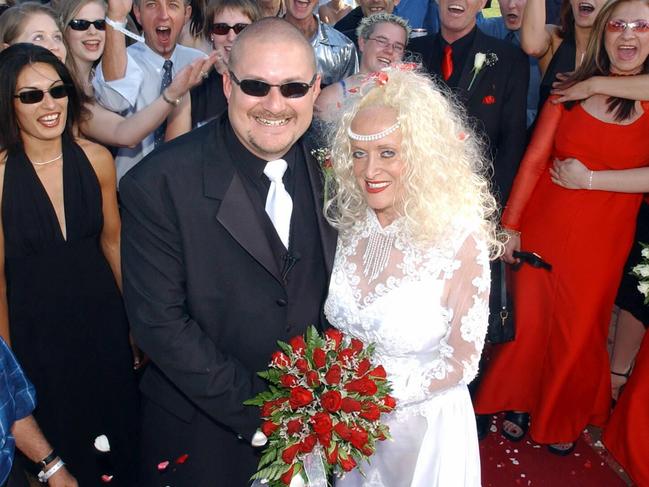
x=563, y=61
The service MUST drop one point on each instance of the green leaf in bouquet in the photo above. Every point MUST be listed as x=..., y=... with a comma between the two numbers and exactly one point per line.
x=269, y=456
x=271, y=375
x=286, y=348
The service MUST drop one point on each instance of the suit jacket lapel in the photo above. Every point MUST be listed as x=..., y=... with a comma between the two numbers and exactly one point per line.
x=236, y=212
x=467, y=71
x=327, y=232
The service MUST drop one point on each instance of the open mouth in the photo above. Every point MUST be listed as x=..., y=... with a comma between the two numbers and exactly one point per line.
x=376, y=186
x=164, y=34
x=377, y=8
x=384, y=60
x=50, y=120
x=91, y=45
x=626, y=53
x=267, y=122
x=512, y=17
x=456, y=9
x=302, y=4
x=586, y=8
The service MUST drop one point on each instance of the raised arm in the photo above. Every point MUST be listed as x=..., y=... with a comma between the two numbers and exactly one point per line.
x=630, y=87
x=537, y=37
x=114, y=59
x=113, y=129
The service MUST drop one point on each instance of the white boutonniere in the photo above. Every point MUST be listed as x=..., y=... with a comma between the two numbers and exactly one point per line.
x=481, y=59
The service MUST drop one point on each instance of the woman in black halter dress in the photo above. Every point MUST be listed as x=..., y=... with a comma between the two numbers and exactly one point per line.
x=60, y=229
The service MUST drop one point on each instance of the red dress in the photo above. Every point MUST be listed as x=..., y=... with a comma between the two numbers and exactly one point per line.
x=557, y=369
x=627, y=433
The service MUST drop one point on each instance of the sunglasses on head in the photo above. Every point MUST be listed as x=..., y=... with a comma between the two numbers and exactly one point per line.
x=621, y=26
x=29, y=97
x=81, y=24
x=254, y=87
x=221, y=28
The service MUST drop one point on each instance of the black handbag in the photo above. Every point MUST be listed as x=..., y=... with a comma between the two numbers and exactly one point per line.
x=501, y=327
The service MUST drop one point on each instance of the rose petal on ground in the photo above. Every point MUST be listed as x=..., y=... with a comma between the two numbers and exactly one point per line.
x=163, y=465
x=182, y=458
x=102, y=444
x=106, y=478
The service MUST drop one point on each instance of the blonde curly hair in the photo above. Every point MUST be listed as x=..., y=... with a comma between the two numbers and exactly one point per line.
x=445, y=180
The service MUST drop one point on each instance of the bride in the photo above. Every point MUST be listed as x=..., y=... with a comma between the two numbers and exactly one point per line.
x=411, y=274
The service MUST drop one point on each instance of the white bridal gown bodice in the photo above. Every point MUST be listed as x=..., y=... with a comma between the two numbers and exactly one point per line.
x=426, y=311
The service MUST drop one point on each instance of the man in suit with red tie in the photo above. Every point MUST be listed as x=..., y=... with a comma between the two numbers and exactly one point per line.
x=489, y=77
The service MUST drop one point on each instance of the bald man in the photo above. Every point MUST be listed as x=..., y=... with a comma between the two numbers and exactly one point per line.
x=211, y=281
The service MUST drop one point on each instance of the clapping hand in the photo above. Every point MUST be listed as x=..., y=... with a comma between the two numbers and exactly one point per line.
x=569, y=173
x=191, y=75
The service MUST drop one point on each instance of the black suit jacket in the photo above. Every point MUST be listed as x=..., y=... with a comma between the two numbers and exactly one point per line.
x=202, y=286
x=496, y=102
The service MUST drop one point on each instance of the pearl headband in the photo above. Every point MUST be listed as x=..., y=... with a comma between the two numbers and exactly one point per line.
x=370, y=137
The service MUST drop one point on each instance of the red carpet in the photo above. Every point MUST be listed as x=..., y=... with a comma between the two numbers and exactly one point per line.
x=505, y=463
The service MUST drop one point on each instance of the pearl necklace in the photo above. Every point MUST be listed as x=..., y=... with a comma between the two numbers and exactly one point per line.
x=48, y=162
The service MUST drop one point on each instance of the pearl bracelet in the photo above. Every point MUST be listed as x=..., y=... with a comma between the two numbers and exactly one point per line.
x=590, y=180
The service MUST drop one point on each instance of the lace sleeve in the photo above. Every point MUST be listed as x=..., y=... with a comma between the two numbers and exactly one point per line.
x=466, y=299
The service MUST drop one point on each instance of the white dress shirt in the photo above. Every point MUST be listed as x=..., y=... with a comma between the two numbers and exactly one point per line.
x=139, y=87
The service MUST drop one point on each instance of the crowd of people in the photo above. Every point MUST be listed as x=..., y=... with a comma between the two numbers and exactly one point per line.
x=165, y=219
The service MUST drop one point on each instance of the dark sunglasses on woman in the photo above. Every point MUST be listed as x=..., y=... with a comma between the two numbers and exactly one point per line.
x=81, y=24
x=254, y=87
x=221, y=28
x=29, y=97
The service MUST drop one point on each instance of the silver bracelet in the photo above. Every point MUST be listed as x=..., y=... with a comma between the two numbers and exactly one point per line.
x=590, y=180
x=121, y=27
x=44, y=475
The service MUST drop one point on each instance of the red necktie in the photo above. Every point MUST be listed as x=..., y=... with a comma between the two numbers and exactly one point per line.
x=447, y=62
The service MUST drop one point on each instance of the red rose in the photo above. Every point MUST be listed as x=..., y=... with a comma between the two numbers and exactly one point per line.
x=364, y=386
x=332, y=455
x=363, y=366
x=319, y=358
x=287, y=476
x=345, y=356
x=308, y=444
x=302, y=365
x=489, y=100
x=297, y=344
x=288, y=380
x=268, y=408
x=333, y=375
x=280, y=359
x=343, y=431
x=367, y=450
x=331, y=401
x=325, y=439
x=389, y=402
x=312, y=378
x=293, y=426
x=356, y=345
x=346, y=463
x=268, y=427
x=300, y=397
x=321, y=423
x=358, y=437
x=288, y=455
x=370, y=411
x=378, y=372
x=335, y=336
x=350, y=405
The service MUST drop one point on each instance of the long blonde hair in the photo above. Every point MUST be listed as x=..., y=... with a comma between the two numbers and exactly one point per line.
x=445, y=178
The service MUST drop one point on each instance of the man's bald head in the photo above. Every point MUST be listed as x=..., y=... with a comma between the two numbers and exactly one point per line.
x=270, y=32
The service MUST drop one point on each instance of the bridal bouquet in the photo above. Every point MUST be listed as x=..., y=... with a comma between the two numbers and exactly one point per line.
x=641, y=271
x=323, y=408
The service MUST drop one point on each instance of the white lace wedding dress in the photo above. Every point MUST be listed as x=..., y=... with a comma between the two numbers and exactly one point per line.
x=427, y=314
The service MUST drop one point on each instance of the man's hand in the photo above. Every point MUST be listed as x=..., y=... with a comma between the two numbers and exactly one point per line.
x=62, y=478
x=118, y=10
x=191, y=75
x=570, y=174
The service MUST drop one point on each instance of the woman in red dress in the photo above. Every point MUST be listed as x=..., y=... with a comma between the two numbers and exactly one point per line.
x=557, y=368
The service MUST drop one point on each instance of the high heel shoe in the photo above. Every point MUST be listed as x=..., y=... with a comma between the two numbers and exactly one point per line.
x=519, y=421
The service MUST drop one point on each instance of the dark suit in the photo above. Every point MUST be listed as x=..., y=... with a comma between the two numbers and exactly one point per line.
x=496, y=101
x=207, y=301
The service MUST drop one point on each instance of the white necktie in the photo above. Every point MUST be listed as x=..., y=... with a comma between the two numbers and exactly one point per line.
x=279, y=205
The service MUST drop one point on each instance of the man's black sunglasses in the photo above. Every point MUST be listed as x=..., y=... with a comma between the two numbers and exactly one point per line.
x=29, y=97
x=81, y=24
x=533, y=259
x=221, y=28
x=258, y=88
